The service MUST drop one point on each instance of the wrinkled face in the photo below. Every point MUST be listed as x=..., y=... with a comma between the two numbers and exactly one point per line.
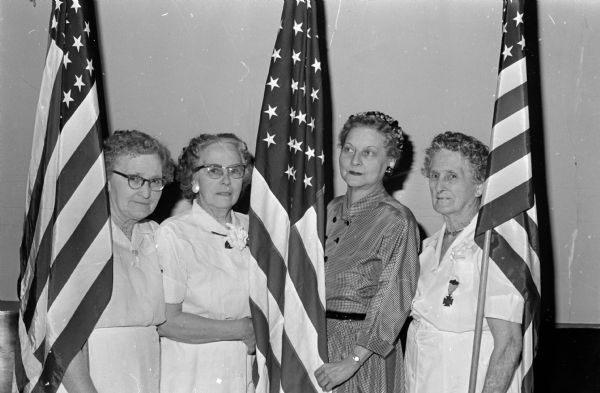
x=221, y=193
x=454, y=191
x=363, y=158
x=127, y=204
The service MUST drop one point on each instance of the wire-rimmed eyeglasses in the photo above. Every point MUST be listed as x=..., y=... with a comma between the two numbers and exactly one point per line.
x=216, y=171
x=136, y=181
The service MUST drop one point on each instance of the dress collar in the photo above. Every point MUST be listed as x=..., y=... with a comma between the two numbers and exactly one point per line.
x=467, y=233
x=364, y=204
x=209, y=222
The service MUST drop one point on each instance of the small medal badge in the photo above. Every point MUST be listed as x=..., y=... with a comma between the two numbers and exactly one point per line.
x=452, y=285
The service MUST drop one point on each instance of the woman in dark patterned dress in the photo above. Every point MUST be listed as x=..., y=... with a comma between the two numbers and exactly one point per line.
x=371, y=263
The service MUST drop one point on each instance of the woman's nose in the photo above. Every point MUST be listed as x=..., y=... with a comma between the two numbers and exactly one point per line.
x=356, y=159
x=145, y=190
x=226, y=177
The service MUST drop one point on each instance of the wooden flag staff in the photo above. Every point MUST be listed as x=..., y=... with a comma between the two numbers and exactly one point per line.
x=485, y=263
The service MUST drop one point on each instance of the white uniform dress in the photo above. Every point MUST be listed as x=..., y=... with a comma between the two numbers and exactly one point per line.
x=440, y=339
x=209, y=280
x=124, y=351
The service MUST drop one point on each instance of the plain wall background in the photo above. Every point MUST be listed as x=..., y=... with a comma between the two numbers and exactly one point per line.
x=177, y=68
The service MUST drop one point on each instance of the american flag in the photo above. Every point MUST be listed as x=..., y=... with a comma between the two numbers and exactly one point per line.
x=66, y=251
x=508, y=203
x=287, y=284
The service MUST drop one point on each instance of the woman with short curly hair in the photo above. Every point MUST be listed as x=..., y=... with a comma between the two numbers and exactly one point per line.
x=123, y=353
x=208, y=337
x=371, y=263
x=438, y=355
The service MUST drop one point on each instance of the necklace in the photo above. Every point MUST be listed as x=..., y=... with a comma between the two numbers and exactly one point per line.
x=453, y=233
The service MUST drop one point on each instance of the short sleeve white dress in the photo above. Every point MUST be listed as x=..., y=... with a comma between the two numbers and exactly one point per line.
x=210, y=280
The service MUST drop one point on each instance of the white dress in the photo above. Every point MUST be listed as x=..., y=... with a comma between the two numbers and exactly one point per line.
x=124, y=351
x=209, y=280
x=440, y=339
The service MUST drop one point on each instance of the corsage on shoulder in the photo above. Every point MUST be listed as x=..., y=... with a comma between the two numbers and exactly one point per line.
x=237, y=237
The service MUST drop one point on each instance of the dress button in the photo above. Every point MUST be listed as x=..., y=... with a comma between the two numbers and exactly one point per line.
x=325, y=258
x=347, y=222
x=334, y=219
x=337, y=240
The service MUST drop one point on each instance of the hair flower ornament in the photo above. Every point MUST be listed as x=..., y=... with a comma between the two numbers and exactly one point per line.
x=237, y=237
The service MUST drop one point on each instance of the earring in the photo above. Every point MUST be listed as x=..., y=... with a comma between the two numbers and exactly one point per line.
x=389, y=170
x=195, y=188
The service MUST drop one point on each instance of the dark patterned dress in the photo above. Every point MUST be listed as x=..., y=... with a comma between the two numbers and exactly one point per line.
x=371, y=268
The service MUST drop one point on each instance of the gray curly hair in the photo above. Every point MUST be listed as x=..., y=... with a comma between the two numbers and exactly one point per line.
x=472, y=149
x=134, y=143
x=193, y=151
x=386, y=125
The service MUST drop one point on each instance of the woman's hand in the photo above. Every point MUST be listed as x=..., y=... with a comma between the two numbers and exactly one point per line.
x=333, y=374
x=248, y=338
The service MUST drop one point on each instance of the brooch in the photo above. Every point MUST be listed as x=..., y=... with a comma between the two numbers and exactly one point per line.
x=452, y=285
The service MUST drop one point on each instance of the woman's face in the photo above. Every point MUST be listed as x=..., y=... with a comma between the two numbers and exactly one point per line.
x=363, y=159
x=221, y=193
x=127, y=204
x=454, y=192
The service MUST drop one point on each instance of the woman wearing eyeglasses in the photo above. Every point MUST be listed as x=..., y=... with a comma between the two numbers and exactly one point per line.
x=208, y=337
x=122, y=354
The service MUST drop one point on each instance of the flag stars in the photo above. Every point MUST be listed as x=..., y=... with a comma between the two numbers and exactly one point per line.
x=518, y=19
x=297, y=146
x=308, y=32
x=316, y=65
x=66, y=60
x=271, y=111
x=307, y=181
x=79, y=82
x=297, y=28
x=89, y=66
x=310, y=153
x=273, y=83
x=294, y=85
x=77, y=43
x=311, y=124
x=299, y=1
x=291, y=143
x=292, y=115
x=86, y=29
x=58, y=4
x=321, y=157
x=291, y=172
x=67, y=98
x=504, y=28
x=54, y=22
x=314, y=94
x=303, y=88
x=270, y=139
x=301, y=117
x=276, y=55
x=295, y=56
x=522, y=42
x=76, y=5
x=507, y=52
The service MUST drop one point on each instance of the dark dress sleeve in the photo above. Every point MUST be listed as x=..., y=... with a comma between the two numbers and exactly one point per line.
x=397, y=284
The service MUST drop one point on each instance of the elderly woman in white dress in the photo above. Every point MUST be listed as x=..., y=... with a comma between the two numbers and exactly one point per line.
x=440, y=338
x=208, y=337
x=122, y=354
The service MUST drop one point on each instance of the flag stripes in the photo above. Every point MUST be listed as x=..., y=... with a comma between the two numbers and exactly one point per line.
x=508, y=203
x=510, y=102
x=287, y=209
x=66, y=251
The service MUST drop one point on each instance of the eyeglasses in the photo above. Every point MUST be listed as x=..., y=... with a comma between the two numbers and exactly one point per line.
x=216, y=171
x=136, y=181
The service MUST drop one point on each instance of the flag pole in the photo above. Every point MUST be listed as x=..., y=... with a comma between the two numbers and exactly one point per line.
x=485, y=263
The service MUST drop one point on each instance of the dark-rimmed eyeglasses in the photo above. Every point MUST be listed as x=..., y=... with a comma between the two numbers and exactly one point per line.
x=136, y=182
x=216, y=171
